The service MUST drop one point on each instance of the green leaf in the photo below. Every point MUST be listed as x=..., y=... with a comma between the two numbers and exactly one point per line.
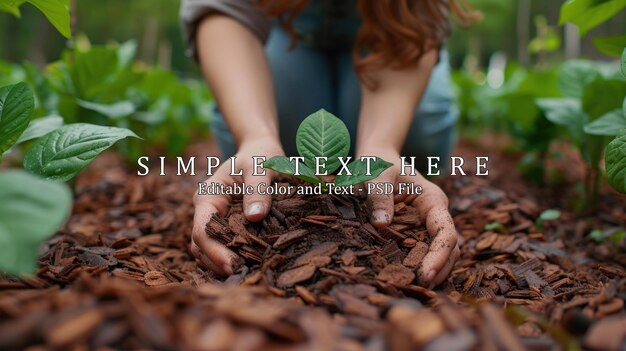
x=602, y=96
x=597, y=235
x=31, y=210
x=16, y=107
x=40, y=127
x=574, y=75
x=610, y=124
x=283, y=165
x=566, y=112
x=57, y=12
x=323, y=135
x=615, y=159
x=494, y=226
x=93, y=70
x=550, y=215
x=114, y=110
x=587, y=14
x=61, y=154
x=11, y=6
x=358, y=170
x=611, y=46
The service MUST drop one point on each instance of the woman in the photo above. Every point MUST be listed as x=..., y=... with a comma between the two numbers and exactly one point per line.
x=377, y=64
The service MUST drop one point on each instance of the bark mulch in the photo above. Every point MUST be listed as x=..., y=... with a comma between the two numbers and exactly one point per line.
x=315, y=275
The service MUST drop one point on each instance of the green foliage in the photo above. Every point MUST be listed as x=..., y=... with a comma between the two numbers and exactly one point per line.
x=31, y=210
x=587, y=14
x=496, y=227
x=61, y=154
x=16, y=107
x=359, y=174
x=283, y=165
x=615, y=159
x=323, y=135
x=547, y=215
x=611, y=46
x=56, y=11
x=104, y=85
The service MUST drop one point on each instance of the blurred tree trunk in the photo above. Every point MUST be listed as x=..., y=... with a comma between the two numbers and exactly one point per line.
x=523, y=31
x=572, y=41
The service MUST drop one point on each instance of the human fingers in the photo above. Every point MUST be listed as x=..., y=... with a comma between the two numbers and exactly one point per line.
x=205, y=207
x=447, y=268
x=256, y=206
x=381, y=203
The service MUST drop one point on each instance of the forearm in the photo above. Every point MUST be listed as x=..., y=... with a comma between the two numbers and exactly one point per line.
x=234, y=64
x=387, y=112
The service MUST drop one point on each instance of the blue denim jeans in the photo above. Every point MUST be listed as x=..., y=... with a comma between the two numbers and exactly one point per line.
x=307, y=79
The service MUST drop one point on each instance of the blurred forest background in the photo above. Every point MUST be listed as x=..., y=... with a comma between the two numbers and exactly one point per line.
x=525, y=31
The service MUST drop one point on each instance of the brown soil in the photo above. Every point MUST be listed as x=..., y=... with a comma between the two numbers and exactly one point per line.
x=316, y=275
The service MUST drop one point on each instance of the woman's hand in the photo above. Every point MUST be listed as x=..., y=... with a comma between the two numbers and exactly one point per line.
x=209, y=253
x=432, y=206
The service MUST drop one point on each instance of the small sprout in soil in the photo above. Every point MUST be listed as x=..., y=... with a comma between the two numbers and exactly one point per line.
x=547, y=215
x=323, y=143
x=496, y=227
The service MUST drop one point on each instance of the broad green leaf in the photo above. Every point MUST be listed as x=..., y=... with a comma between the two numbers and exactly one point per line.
x=602, y=96
x=281, y=164
x=40, y=127
x=61, y=154
x=11, y=6
x=358, y=169
x=611, y=46
x=323, y=135
x=16, y=107
x=587, y=14
x=566, y=112
x=610, y=124
x=574, y=75
x=57, y=12
x=93, y=70
x=615, y=159
x=31, y=210
x=114, y=110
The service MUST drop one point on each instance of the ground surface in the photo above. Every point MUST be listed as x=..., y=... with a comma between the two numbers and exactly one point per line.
x=119, y=274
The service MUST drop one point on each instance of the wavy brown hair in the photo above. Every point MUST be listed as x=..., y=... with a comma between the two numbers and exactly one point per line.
x=395, y=33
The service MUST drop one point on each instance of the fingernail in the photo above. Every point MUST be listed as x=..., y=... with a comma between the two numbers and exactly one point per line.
x=380, y=216
x=228, y=270
x=430, y=276
x=255, y=209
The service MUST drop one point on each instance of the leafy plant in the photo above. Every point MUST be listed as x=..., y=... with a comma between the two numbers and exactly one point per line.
x=57, y=12
x=32, y=208
x=590, y=110
x=547, y=215
x=615, y=156
x=588, y=14
x=323, y=135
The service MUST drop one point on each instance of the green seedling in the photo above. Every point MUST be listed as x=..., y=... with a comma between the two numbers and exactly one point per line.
x=615, y=237
x=324, y=137
x=496, y=227
x=547, y=215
